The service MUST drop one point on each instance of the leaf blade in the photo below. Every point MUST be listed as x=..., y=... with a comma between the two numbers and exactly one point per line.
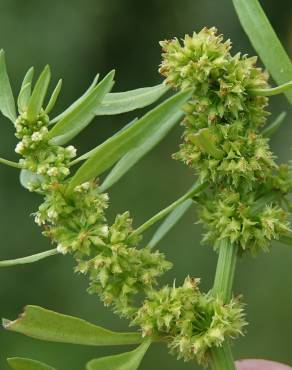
x=82, y=114
x=138, y=152
x=124, y=361
x=7, y=104
x=25, y=90
x=171, y=220
x=43, y=324
x=38, y=94
x=76, y=102
x=20, y=363
x=122, y=102
x=106, y=154
x=265, y=41
x=54, y=97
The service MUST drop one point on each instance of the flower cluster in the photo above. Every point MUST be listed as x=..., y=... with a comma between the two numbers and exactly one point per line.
x=191, y=321
x=222, y=140
x=233, y=215
x=123, y=274
x=49, y=161
x=117, y=270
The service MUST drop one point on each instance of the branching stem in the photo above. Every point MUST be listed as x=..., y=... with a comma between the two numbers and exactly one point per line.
x=197, y=188
x=273, y=91
x=28, y=259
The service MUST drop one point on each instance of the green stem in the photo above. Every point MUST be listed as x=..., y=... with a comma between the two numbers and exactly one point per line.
x=197, y=188
x=274, y=126
x=10, y=163
x=221, y=358
x=286, y=239
x=29, y=259
x=272, y=91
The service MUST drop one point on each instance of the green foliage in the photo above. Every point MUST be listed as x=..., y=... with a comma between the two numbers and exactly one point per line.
x=128, y=360
x=241, y=194
x=116, y=103
x=7, y=104
x=43, y=324
x=265, y=41
x=18, y=363
x=83, y=113
x=106, y=154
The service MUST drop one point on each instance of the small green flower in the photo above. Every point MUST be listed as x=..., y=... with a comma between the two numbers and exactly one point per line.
x=192, y=322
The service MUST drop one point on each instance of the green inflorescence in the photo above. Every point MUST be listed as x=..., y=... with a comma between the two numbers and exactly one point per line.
x=222, y=141
x=192, y=322
x=245, y=202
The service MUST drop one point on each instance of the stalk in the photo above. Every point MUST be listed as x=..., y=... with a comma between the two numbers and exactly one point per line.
x=272, y=91
x=197, y=188
x=221, y=357
x=10, y=163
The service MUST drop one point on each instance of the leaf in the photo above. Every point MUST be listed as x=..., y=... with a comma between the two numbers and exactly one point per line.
x=273, y=127
x=26, y=177
x=78, y=101
x=116, y=103
x=106, y=154
x=82, y=114
x=7, y=104
x=54, y=97
x=204, y=139
x=170, y=221
x=19, y=363
x=124, y=361
x=30, y=259
x=135, y=154
x=38, y=95
x=25, y=91
x=89, y=154
x=265, y=41
x=43, y=324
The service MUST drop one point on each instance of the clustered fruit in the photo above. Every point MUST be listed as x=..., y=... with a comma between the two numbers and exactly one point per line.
x=223, y=143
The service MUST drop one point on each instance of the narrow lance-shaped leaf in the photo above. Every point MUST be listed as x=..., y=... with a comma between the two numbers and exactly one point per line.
x=38, y=95
x=7, y=104
x=25, y=90
x=54, y=97
x=273, y=127
x=138, y=152
x=77, y=102
x=170, y=221
x=124, y=361
x=91, y=152
x=109, y=152
x=19, y=363
x=82, y=114
x=265, y=41
x=116, y=103
x=39, y=323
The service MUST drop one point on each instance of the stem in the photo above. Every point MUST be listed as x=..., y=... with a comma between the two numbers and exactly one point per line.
x=10, y=163
x=272, y=91
x=29, y=259
x=197, y=188
x=221, y=358
x=286, y=239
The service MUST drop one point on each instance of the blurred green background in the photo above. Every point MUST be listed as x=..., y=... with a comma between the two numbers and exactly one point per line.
x=78, y=39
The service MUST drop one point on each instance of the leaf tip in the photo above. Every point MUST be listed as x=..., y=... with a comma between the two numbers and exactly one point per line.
x=6, y=323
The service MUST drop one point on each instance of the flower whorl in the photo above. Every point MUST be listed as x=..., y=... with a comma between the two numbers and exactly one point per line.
x=222, y=140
